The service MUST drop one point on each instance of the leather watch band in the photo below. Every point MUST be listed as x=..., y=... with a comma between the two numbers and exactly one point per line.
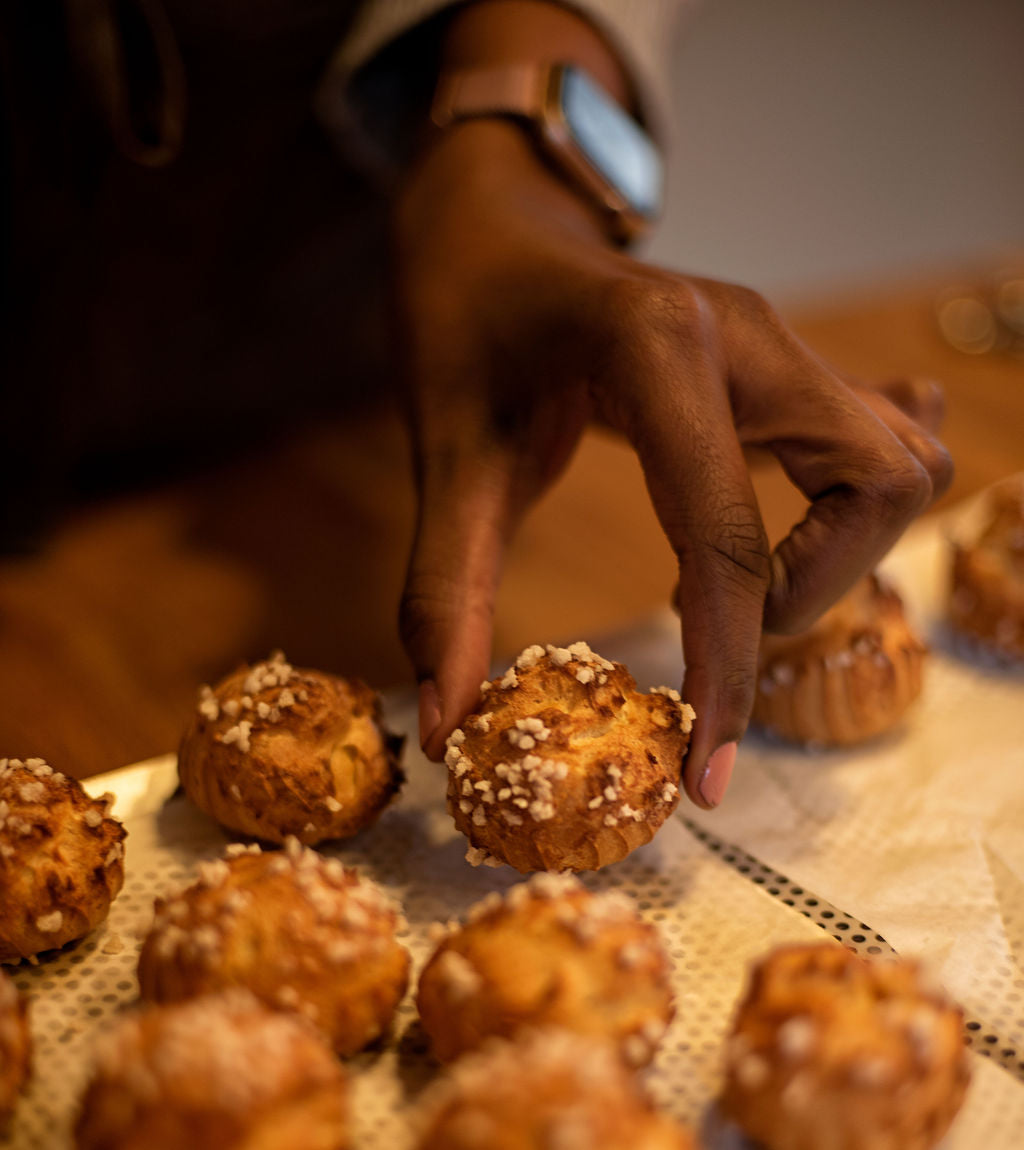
x=580, y=129
x=509, y=90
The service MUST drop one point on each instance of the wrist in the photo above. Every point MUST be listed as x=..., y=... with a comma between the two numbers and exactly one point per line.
x=487, y=170
x=549, y=73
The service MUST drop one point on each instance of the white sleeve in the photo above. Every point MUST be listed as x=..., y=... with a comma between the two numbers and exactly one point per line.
x=641, y=31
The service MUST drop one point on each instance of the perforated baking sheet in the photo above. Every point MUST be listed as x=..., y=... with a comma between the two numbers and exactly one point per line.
x=863, y=843
x=712, y=919
x=920, y=833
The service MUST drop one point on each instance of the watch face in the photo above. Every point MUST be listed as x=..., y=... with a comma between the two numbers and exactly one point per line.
x=612, y=141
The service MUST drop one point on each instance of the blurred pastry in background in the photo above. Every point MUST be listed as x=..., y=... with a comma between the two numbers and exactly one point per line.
x=547, y=1088
x=15, y=1049
x=303, y=933
x=61, y=859
x=548, y=954
x=986, y=600
x=220, y=1071
x=830, y=1049
x=850, y=677
x=275, y=751
x=566, y=765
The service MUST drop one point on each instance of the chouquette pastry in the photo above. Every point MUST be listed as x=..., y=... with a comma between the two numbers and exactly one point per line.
x=566, y=765
x=275, y=751
x=15, y=1048
x=548, y=954
x=219, y=1073
x=301, y=932
x=987, y=593
x=828, y=1049
x=61, y=859
x=848, y=678
x=548, y=1088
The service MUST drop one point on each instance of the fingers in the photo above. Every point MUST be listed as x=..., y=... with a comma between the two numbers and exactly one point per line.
x=867, y=468
x=714, y=369
x=666, y=393
x=913, y=410
x=716, y=532
x=485, y=454
x=921, y=399
x=868, y=474
x=447, y=606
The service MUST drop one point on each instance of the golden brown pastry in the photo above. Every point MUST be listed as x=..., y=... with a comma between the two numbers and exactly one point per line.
x=829, y=1049
x=219, y=1073
x=987, y=598
x=274, y=751
x=547, y=1090
x=548, y=954
x=301, y=932
x=566, y=765
x=850, y=677
x=15, y=1048
x=61, y=859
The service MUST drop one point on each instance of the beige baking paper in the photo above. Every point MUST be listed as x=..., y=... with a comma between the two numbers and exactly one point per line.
x=919, y=836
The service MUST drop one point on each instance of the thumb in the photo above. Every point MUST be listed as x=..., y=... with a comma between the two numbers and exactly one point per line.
x=447, y=607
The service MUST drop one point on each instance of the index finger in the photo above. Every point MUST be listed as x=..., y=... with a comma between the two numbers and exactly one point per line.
x=675, y=412
x=866, y=480
x=865, y=466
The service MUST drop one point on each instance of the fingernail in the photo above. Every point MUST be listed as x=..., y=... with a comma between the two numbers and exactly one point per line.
x=715, y=779
x=430, y=710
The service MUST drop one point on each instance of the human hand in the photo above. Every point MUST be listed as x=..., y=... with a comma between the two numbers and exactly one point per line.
x=521, y=324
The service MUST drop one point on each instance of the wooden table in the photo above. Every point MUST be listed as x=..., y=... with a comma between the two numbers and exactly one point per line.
x=105, y=637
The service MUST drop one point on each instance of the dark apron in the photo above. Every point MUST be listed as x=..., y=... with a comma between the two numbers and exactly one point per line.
x=188, y=264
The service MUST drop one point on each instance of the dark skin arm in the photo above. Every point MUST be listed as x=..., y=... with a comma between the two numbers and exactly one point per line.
x=522, y=323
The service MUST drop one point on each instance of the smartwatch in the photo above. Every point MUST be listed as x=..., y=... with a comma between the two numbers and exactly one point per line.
x=583, y=132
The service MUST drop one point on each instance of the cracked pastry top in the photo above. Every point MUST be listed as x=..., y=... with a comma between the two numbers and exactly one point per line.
x=830, y=1049
x=566, y=765
x=61, y=859
x=220, y=1071
x=848, y=678
x=545, y=1088
x=275, y=751
x=548, y=954
x=302, y=932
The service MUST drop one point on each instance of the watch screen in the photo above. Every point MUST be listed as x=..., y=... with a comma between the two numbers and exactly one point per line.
x=612, y=141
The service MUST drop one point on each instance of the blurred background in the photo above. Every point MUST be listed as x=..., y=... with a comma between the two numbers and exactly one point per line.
x=831, y=145
x=853, y=160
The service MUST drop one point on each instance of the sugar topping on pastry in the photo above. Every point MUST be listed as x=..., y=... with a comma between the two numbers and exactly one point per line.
x=61, y=859
x=548, y=953
x=274, y=750
x=549, y=1088
x=264, y=695
x=566, y=765
x=219, y=1067
x=829, y=1048
x=302, y=932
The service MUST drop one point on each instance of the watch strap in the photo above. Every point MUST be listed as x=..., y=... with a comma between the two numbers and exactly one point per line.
x=530, y=92
x=504, y=90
